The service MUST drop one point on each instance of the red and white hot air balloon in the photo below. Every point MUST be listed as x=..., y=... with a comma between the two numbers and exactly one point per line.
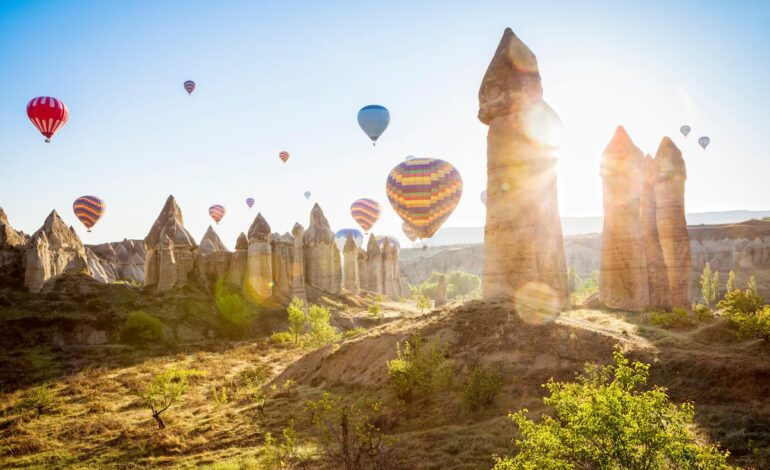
x=48, y=114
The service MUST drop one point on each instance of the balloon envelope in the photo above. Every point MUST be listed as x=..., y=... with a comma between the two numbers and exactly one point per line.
x=250, y=202
x=217, y=212
x=704, y=142
x=684, y=130
x=48, y=114
x=483, y=197
x=409, y=231
x=373, y=119
x=189, y=86
x=391, y=240
x=366, y=212
x=307, y=194
x=88, y=209
x=284, y=156
x=341, y=237
x=424, y=192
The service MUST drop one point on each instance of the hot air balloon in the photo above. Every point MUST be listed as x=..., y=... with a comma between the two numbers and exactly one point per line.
x=189, y=86
x=342, y=236
x=48, y=114
x=366, y=212
x=284, y=156
x=88, y=209
x=484, y=197
x=217, y=212
x=250, y=202
x=392, y=240
x=307, y=194
x=373, y=119
x=684, y=130
x=704, y=142
x=424, y=192
x=409, y=231
x=410, y=157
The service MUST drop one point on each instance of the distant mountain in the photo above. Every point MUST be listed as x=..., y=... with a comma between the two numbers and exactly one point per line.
x=583, y=225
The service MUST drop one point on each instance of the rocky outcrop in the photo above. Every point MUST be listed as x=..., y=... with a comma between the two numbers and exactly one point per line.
x=212, y=261
x=672, y=226
x=259, y=263
x=350, y=277
x=53, y=250
x=391, y=285
x=623, y=280
x=657, y=273
x=12, y=243
x=119, y=261
x=522, y=237
x=238, y=262
x=440, y=292
x=170, y=248
x=282, y=247
x=363, y=270
x=298, y=264
x=323, y=267
x=374, y=273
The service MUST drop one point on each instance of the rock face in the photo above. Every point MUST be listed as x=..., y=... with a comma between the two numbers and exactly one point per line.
x=212, y=261
x=238, y=262
x=350, y=277
x=374, y=266
x=170, y=250
x=391, y=285
x=12, y=243
x=672, y=226
x=120, y=261
x=53, y=250
x=259, y=264
x=298, y=264
x=282, y=247
x=441, y=292
x=363, y=270
x=522, y=237
x=323, y=267
x=657, y=273
x=623, y=282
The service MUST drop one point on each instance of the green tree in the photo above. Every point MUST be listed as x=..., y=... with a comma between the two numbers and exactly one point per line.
x=422, y=302
x=233, y=308
x=751, y=286
x=297, y=318
x=418, y=368
x=603, y=421
x=165, y=389
x=140, y=327
x=320, y=330
x=730, y=287
x=709, y=285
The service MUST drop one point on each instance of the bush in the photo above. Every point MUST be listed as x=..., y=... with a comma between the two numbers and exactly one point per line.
x=232, y=308
x=677, y=318
x=755, y=324
x=741, y=301
x=418, y=369
x=165, y=389
x=282, y=337
x=375, y=310
x=320, y=330
x=458, y=284
x=353, y=332
x=38, y=400
x=602, y=421
x=284, y=454
x=422, y=302
x=481, y=387
x=141, y=328
x=297, y=319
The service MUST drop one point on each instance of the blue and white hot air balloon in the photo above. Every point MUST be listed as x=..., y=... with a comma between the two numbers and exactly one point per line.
x=374, y=119
x=341, y=237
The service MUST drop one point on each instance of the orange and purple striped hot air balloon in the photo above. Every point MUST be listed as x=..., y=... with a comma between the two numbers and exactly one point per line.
x=424, y=192
x=217, y=212
x=284, y=156
x=88, y=209
x=409, y=231
x=366, y=212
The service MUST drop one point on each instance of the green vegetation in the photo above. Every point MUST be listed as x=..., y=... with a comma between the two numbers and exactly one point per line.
x=312, y=330
x=481, y=387
x=141, y=328
x=603, y=421
x=353, y=332
x=284, y=454
x=375, y=310
x=297, y=318
x=418, y=369
x=730, y=286
x=746, y=309
x=37, y=401
x=581, y=289
x=676, y=318
x=459, y=285
x=422, y=302
x=236, y=313
x=165, y=389
x=709, y=286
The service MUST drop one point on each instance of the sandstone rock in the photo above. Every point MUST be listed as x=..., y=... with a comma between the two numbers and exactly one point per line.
x=298, y=264
x=350, y=276
x=121, y=261
x=170, y=249
x=440, y=292
x=657, y=273
x=522, y=237
x=211, y=243
x=212, y=260
x=363, y=270
x=623, y=280
x=391, y=286
x=259, y=263
x=50, y=251
x=238, y=262
x=12, y=243
x=282, y=246
x=672, y=226
x=374, y=266
x=323, y=267
x=97, y=269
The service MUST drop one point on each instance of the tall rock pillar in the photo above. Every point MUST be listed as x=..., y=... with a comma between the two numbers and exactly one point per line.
x=389, y=269
x=298, y=264
x=170, y=250
x=374, y=266
x=522, y=237
x=672, y=226
x=623, y=280
x=657, y=273
x=350, y=275
x=238, y=262
x=259, y=261
x=440, y=300
x=282, y=246
x=323, y=267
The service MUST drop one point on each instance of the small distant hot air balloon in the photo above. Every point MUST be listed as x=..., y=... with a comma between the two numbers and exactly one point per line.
x=704, y=142
x=189, y=86
x=48, y=114
x=88, y=209
x=424, y=192
x=484, y=197
x=341, y=237
x=250, y=202
x=409, y=231
x=391, y=240
x=373, y=119
x=410, y=157
x=217, y=212
x=684, y=130
x=307, y=194
x=366, y=212
x=284, y=156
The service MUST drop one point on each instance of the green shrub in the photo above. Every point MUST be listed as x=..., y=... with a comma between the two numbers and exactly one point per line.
x=755, y=324
x=709, y=285
x=320, y=331
x=165, y=389
x=458, y=284
x=481, y=387
x=284, y=454
x=233, y=309
x=282, y=337
x=418, y=369
x=38, y=400
x=422, y=302
x=375, y=310
x=603, y=421
x=353, y=332
x=702, y=312
x=219, y=396
x=140, y=328
x=297, y=318
x=676, y=318
x=743, y=301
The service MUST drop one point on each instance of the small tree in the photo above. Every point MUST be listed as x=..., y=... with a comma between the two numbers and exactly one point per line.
x=751, y=286
x=320, y=330
x=422, y=302
x=166, y=389
x=602, y=420
x=730, y=287
x=140, y=328
x=297, y=318
x=418, y=368
x=709, y=285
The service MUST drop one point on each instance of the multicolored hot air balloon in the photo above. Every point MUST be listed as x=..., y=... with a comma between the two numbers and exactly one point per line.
x=217, y=212
x=189, y=86
x=424, y=192
x=341, y=237
x=704, y=142
x=308, y=194
x=366, y=212
x=483, y=197
x=284, y=156
x=684, y=130
x=374, y=119
x=48, y=114
x=391, y=240
x=409, y=231
x=88, y=209
x=250, y=202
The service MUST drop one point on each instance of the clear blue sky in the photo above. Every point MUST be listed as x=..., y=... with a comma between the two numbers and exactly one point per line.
x=292, y=75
